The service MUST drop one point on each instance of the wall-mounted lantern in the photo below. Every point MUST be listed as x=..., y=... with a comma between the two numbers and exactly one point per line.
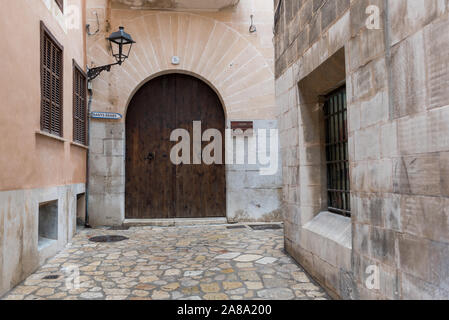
x=121, y=44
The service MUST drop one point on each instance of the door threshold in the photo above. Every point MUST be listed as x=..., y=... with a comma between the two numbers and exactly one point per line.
x=174, y=222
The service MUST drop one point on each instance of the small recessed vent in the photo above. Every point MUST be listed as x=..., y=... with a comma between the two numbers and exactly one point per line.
x=109, y=238
x=265, y=226
x=48, y=223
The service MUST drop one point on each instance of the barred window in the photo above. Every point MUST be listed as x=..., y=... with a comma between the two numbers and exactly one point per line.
x=51, y=83
x=79, y=105
x=60, y=4
x=337, y=160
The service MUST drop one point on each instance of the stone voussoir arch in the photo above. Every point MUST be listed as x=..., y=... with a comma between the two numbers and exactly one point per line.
x=208, y=49
x=171, y=71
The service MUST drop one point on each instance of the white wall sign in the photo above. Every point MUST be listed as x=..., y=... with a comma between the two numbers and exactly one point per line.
x=105, y=115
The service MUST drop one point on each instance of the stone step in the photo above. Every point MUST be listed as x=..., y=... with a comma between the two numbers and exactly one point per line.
x=174, y=222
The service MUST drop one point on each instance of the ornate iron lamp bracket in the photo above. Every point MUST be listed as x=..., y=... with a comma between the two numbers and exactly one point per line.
x=92, y=73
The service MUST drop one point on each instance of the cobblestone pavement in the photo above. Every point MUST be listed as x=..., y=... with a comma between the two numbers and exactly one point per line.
x=207, y=262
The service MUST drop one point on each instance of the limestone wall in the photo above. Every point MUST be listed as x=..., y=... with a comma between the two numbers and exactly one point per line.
x=21, y=250
x=397, y=94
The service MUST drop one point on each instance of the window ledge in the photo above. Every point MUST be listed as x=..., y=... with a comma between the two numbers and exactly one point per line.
x=333, y=227
x=79, y=145
x=49, y=135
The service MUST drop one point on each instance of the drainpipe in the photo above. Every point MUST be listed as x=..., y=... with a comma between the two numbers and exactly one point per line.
x=86, y=218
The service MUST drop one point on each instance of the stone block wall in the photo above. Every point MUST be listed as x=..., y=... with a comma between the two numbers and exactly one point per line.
x=106, y=199
x=250, y=195
x=397, y=84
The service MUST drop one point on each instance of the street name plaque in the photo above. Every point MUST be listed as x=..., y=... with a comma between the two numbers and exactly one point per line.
x=106, y=115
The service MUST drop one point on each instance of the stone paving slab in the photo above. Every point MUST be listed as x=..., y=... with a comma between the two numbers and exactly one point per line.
x=191, y=263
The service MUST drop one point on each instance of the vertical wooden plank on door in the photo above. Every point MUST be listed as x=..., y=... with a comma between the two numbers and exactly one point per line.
x=149, y=171
x=188, y=183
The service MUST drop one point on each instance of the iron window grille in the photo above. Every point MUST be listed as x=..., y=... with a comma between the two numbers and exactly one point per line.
x=337, y=159
x=79, y=105
x=51, y=83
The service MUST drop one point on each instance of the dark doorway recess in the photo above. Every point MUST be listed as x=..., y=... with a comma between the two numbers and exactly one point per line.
x=156, y=188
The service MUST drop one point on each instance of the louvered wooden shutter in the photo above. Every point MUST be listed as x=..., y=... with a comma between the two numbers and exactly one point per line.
x=51, y=84
x=60, y=4
x=79, y=106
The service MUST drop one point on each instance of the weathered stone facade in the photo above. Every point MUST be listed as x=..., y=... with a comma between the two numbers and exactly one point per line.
x=215, y=47
x=397, y=83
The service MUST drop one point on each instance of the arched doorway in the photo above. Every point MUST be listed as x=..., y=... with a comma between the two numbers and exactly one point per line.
x=155, y=187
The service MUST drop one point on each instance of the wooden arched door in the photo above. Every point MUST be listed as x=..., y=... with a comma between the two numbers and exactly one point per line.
x=155, y=187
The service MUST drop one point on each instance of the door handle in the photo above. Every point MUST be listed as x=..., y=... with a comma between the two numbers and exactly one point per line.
x=150, y=157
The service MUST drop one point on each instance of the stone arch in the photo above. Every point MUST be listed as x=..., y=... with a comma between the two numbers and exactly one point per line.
x=172, y=71
x=208, y=49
